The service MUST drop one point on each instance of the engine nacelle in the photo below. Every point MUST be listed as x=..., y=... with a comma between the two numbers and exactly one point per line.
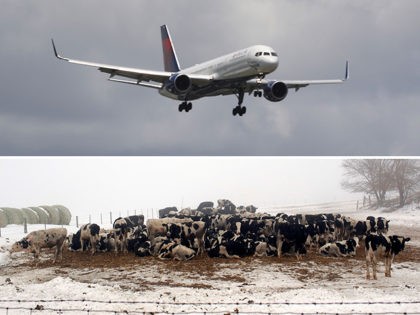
x=179, y=84
x=275, y=91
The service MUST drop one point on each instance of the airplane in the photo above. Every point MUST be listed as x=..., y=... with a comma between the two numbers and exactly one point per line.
x=237, y=73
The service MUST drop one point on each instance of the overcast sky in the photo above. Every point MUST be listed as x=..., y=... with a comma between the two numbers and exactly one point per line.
x=48, y=107
x=103, y=184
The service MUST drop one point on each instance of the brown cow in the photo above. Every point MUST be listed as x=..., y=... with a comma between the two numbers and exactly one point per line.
x=48, y=238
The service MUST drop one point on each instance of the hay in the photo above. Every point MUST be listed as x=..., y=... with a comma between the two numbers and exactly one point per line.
x=65, y=214
x=30, y=215
x=14, y=216
x=3, y=218
x=54, y=215
x=43, y=215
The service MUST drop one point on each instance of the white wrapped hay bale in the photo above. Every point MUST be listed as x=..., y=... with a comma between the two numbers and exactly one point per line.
x=65, y=214
x=43, y=215
x=54, y=215
x=30, y=215
x=14, y=215
x=3, y=218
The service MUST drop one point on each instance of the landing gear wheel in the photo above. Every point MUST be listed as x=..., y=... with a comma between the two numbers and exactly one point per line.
x=188, y=107
x=185, y=106
x=235, y=111
x=181, y=107
x=239, y=110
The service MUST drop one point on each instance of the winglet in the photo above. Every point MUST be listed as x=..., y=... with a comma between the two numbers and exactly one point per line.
x=55, y=51
x=170, y=59
x=347, y=75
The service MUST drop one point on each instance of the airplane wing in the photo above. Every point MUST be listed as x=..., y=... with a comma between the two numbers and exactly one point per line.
x=296, y=84
x=135, y=76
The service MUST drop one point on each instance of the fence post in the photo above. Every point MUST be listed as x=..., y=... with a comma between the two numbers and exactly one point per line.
x=90, y=219
x=45, y=226
x=101, y=218
x=357, y=206
x=77, y=221
x=135, y=212
x=110, y=217
x=0, y=232
x=25, y=226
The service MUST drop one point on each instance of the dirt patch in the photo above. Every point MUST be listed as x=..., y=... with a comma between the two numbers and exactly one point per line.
x=127, y=270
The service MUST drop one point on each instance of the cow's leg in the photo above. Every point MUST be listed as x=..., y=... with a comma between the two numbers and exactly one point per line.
x=374, y=266
x=388, y=261
x=279, y=244
x=368, y=260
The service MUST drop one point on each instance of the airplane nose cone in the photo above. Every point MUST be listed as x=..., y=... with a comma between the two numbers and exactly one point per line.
x=269, y=64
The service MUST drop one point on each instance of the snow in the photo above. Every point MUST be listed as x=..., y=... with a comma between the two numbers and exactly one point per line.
x=248, y=286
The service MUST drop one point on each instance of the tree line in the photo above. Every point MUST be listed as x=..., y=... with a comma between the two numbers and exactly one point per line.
x=377, y=177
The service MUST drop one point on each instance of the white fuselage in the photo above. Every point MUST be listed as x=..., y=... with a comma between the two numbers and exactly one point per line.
x=247, y=63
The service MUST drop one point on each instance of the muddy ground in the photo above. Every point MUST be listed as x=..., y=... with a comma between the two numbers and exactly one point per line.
x=129, y=271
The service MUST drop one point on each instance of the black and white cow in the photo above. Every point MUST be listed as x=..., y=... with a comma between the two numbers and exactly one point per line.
x=48, y=238
x=266, y=246
x=380, y=224
x=340, y=248
x=106, y=242
x=87, y=236
x=227, y=244
x=121, y=228
x=377, y=246
x=291, y=237
x=175, y=251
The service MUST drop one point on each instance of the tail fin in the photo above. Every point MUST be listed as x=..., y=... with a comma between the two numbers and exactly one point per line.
x=169, y=55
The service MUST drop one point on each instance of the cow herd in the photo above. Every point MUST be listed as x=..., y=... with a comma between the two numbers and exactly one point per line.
x=230, y=232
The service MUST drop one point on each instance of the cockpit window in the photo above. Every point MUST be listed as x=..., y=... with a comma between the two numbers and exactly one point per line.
x=266, y=53
x=258, y=54
x=273, y=54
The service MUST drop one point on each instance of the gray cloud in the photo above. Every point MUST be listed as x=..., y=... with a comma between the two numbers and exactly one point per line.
x=49, y=107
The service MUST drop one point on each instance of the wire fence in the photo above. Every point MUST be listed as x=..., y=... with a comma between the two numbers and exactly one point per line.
x=152, y=307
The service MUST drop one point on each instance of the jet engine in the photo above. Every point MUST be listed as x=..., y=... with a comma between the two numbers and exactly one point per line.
x=179, y=84
x=275, y=91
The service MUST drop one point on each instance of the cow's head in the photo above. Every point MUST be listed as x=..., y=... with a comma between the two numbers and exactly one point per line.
x=20, y=245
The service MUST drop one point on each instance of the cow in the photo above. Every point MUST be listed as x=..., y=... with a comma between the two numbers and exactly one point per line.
x=380, y=224
x=225, y=206
x=165, y=212
x=340, y=248
x=135, y=238
x=189, y=234
x=48, y=238
x=377, y=245
x=157, y=227
x=228, y=244
x=106, y=242
x=291, y=237
x=87, y=236
x=175, y=251
x=120, y=227
x=266, y=246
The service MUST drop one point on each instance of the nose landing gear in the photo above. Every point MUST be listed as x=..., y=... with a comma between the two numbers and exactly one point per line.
x=185, y=106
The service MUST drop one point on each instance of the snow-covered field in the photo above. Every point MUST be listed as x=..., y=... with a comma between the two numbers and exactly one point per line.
x=125, y=284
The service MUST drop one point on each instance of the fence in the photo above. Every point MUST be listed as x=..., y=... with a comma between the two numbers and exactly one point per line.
x=107, y=218
x=224, y=308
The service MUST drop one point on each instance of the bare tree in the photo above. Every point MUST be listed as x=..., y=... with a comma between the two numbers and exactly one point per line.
x=371, y=176
x=406, y=177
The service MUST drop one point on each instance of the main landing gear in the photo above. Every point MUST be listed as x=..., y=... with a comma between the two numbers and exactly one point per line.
x=239, y=110
x=185, y=106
